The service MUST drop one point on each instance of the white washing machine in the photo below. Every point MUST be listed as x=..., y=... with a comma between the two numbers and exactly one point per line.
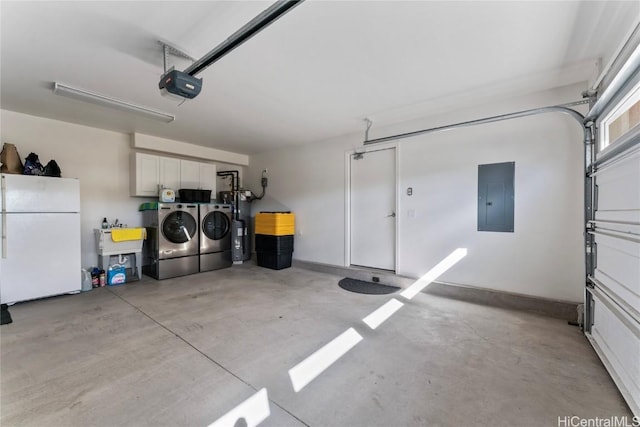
x=172, y=244
x=215, y=236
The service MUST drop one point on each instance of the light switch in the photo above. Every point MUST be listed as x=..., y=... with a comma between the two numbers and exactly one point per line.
x=411, y=213
x=409, y=191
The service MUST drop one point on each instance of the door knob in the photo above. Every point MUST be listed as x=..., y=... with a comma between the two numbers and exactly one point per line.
x=392, y=215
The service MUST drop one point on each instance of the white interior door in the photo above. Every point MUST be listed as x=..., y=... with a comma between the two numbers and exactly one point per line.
x=373, y=209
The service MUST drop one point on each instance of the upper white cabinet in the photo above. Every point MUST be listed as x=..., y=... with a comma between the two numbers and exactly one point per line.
x=196, y=175
x=189, y=174
x=208, y=178
x=149, y=172
x=169, y=173
x=145, y=175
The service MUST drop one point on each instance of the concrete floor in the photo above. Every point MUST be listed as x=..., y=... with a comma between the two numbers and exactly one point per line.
x=185, y=351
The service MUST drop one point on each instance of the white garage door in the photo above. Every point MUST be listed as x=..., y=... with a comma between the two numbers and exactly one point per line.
x=613, y=289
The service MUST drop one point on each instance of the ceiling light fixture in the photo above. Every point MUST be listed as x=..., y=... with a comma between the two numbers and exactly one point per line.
x=107, y=101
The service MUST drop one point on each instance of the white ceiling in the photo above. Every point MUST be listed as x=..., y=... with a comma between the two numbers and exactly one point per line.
x=313, y=75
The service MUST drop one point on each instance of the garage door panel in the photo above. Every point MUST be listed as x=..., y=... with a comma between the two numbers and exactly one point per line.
x=618, y=188
x=617, y=336
x=620, y=229
x=629, y=294
x=620, y=260
x=630, y=216
x=618, y=268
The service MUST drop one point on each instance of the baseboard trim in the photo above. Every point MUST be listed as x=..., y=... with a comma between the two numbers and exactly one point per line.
x=565, y=310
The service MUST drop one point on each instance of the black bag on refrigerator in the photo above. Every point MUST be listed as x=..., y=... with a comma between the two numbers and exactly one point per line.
x=52, y=169
x=32, y=165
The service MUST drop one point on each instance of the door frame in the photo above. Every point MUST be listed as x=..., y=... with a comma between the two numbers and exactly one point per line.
x=347, y=198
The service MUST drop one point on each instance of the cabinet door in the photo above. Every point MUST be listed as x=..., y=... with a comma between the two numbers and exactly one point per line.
x=208, y=178
x=170, y=173
x=189, y=174
x=146, y=175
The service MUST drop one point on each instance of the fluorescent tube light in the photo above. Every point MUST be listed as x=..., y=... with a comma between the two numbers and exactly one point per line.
x=107, y=101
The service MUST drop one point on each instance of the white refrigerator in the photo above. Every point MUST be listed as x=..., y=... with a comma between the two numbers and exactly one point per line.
x=40, y=254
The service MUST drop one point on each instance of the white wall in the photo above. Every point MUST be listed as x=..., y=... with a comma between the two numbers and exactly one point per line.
x=309, y=181
x=99, y=158
x=543, y=257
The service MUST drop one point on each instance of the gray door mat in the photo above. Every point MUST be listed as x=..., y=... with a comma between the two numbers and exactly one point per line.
x=362, y=287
